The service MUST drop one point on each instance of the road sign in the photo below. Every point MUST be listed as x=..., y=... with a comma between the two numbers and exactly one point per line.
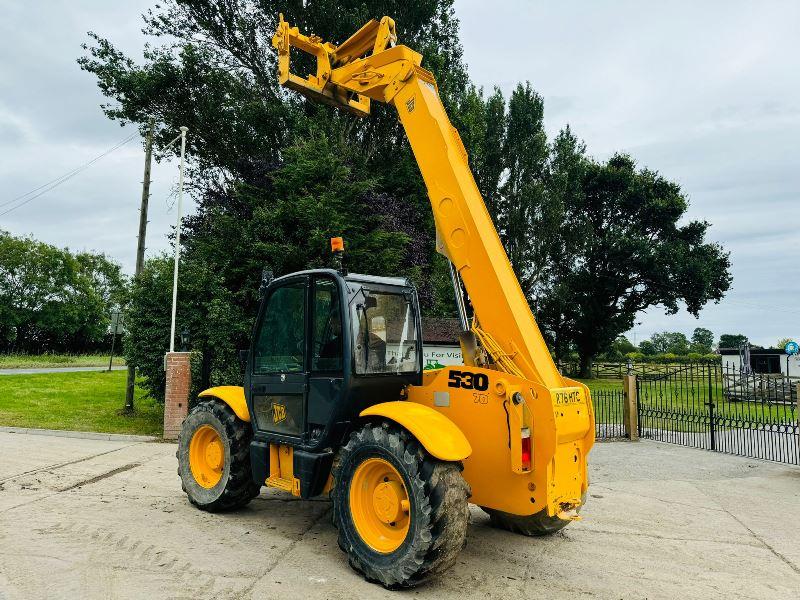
x=792, y=348
x=117, y=322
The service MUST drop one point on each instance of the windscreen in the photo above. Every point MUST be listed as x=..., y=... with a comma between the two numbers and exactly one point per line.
x=384, y=333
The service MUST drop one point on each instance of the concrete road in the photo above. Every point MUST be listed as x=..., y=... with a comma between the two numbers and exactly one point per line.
x=107, y=519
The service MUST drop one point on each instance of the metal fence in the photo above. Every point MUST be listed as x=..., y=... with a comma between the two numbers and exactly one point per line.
x=608, y=413
x=616, y=370
x=718, y=408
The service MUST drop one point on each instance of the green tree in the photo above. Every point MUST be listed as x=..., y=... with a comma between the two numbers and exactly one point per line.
x=702, y=340
x=281, y=219
x=552, y=304
x=251, y=156
x=620, y=348
x=53, y=300
x=628, y=249
x=732, y=340
x=669, y=342
x=148, y=321
x=215, y=73
x=781, y=343
x=647, y=348
x=482, y=125
x=523, y=207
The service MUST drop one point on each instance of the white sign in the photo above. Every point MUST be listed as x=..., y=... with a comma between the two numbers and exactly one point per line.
x=117, y=323
x=444, y=355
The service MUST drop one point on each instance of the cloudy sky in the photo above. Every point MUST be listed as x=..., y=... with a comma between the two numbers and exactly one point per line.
x=706, y=93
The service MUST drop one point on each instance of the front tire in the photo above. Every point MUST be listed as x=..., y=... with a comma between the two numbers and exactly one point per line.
x=214, y=458
x=402, y=515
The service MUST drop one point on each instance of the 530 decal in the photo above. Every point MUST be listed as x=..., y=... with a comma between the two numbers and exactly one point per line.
x=468, y=381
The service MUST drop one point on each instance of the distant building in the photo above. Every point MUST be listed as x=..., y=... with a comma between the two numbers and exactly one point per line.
x=765, y=361
x=440, y=342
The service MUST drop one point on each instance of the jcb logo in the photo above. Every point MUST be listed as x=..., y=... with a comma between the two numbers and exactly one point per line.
x=278, y=413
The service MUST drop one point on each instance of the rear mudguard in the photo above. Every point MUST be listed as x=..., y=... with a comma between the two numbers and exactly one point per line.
x=439, y=435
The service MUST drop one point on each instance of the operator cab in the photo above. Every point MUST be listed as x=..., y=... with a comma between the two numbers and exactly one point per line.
x=325, y=347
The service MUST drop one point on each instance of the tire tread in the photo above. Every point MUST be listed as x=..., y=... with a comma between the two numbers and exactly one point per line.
x=240, y=488
x=441, y=493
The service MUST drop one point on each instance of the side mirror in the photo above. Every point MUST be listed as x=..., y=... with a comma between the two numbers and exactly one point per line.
x=243, y=356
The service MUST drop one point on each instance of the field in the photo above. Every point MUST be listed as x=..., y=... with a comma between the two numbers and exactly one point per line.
x=82, y=401
x=43, y=361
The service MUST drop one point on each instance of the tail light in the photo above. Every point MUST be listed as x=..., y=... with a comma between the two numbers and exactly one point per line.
x=526, y=449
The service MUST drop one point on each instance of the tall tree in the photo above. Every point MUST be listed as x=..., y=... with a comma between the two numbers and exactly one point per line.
x=670, y=342
x=215, y=73
x=702, y=340
x=628, y=250
x=732, y=340
x=213, y=69
x=551, y=297
x=483, y=127
x=647, y=348
x=523, y=209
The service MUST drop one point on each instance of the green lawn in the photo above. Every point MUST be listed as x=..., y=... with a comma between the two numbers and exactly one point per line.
x=602, y=384
x=82, y=401
x=42, y=361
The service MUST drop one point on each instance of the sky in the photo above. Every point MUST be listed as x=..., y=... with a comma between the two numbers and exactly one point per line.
x=708, y=94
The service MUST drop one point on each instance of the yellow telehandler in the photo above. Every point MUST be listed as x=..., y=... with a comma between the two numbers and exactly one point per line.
x=335, y=399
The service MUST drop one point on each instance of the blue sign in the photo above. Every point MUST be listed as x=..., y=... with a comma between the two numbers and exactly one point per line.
x=792, y=348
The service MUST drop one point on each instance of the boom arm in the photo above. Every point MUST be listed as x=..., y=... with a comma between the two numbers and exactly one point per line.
x=363, y=69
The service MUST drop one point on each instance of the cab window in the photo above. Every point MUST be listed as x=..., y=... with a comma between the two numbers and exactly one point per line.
x=384, y=333
x=279, y=344
x=326, y=340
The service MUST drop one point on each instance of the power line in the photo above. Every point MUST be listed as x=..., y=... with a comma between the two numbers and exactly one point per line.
x=54, y=183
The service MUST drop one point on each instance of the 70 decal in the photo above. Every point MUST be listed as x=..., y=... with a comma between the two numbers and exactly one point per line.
x=468, y=381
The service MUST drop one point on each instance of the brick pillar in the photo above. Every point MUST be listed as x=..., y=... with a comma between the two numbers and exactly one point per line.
x=630, y=413
x=176, y=398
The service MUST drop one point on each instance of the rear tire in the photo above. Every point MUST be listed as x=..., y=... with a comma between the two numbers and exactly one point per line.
x=220, y=477
x=436, y=496
x=535, y=525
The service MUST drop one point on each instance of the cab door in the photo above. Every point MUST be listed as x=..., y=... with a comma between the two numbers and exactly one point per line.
x=278, y=374
x=326, y=387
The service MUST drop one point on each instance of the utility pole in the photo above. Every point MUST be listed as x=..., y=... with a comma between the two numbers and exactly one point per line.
x=140, y=246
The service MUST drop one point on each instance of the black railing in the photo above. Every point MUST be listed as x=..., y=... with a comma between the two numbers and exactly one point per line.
x=718, y=408
x=608, y=410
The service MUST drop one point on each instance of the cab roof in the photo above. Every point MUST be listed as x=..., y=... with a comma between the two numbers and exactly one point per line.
x=354, y=277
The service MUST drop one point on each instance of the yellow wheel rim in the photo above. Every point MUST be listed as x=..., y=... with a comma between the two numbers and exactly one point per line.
x=379, y=505
x=206, y=456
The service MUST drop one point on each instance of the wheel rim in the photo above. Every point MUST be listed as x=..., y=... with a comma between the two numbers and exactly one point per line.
x=206, y=456
x=380, y=505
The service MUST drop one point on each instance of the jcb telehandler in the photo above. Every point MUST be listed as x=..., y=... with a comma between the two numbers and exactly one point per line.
x=335, y=400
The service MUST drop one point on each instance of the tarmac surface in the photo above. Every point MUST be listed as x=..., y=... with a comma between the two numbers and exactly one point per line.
x=89, y=518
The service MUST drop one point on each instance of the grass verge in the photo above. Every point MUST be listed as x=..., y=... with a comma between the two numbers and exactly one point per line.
x=43, y=361
x=82, y=401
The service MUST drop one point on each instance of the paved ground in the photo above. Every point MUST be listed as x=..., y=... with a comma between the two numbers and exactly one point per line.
x=106, y=519
x=58, y=370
